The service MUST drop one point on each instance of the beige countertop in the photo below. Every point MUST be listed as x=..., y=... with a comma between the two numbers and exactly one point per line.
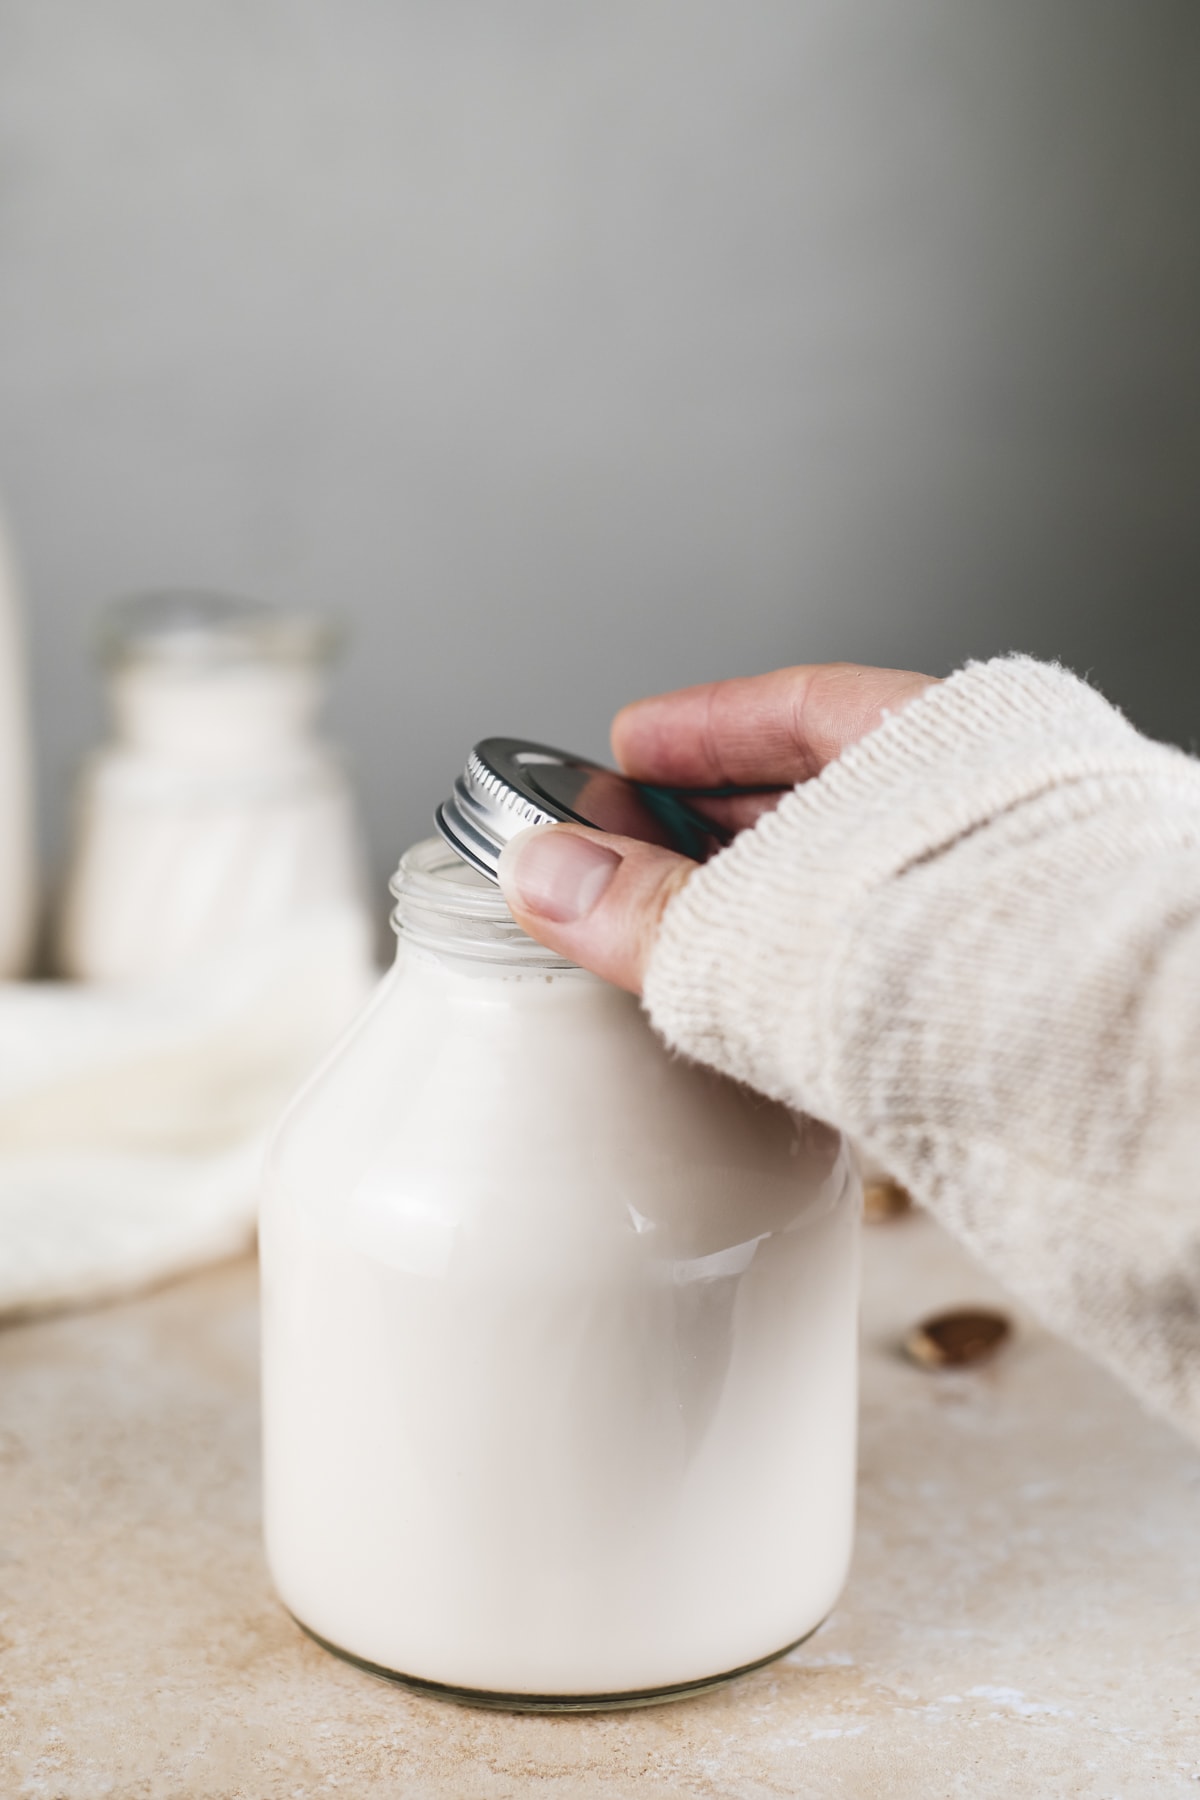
x=1023, y=1615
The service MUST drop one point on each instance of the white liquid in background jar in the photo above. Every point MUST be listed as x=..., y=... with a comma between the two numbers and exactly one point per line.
x=216, y=814
x=559, y=1335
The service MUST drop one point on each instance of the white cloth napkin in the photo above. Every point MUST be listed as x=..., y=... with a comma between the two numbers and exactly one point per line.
x=133, y=1119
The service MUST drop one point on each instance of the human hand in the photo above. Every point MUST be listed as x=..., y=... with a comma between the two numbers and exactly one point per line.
x=599, y=899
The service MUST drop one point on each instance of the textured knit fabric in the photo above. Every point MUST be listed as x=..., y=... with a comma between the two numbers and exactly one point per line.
x=974, y=943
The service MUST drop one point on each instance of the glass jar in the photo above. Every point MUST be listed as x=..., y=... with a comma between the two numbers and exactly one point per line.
x=559, y=1336
x=215, y=814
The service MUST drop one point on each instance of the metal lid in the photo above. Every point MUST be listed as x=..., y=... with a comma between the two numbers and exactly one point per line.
x=509, y=785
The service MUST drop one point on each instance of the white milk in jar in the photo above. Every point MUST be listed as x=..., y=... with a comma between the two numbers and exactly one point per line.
x=559, y=1336
x=216, y=814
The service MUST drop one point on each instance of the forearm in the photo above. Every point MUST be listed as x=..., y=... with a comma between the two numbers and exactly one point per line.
x=972, y=942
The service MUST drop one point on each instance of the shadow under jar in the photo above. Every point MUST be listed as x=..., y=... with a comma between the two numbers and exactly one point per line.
x=559, y=1336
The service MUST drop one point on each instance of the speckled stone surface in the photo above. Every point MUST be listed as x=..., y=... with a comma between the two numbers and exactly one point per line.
x=1023, y=1617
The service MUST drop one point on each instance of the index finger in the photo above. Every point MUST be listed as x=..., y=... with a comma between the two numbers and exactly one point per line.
x=758, y=729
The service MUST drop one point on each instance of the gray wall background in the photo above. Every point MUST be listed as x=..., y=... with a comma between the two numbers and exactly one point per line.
x=571, y=351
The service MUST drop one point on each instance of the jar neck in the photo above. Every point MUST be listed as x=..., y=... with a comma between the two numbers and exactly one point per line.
x=222, y=714
x=447, y=909
x=212, y=678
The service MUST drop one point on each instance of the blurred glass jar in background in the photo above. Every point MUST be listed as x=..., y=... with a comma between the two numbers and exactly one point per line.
x=216, y=813
x=17, y=874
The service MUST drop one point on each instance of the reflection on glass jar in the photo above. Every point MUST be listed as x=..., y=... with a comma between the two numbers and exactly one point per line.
x=559, y=1335
x=216, y=813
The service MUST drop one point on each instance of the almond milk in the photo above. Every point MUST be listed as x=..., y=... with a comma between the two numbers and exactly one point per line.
x=559, y=1335
x=215, y=815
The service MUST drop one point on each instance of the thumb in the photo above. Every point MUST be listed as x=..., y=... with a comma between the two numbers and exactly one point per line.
x=594, y=898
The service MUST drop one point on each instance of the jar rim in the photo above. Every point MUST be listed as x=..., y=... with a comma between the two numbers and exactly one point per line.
x=200, y=628
x=444, y=905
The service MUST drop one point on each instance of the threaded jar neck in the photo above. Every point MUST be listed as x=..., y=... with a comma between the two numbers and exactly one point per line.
x=447, y=908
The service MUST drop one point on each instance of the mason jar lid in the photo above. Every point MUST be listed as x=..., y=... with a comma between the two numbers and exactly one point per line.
x=510, y=784
x=192, y=626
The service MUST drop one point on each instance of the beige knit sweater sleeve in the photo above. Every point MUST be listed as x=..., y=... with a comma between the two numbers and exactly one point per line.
x=974, y=942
